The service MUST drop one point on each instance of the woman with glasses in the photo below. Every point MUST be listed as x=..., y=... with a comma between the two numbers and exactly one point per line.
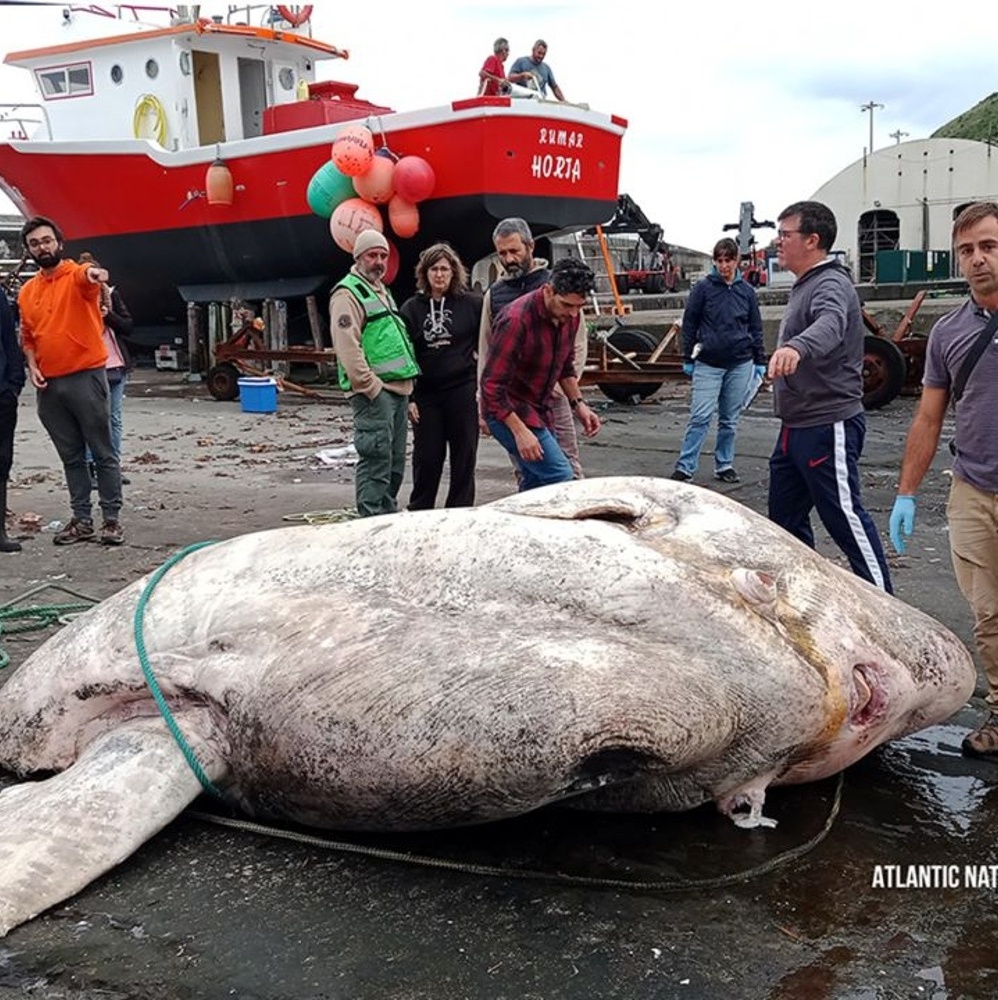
x=723, y=353
x=443, y=320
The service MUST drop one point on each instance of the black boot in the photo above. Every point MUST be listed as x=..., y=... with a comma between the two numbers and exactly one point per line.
x=6, y=544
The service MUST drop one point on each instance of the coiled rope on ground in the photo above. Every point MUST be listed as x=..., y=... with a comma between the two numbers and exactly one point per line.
x=18, y=616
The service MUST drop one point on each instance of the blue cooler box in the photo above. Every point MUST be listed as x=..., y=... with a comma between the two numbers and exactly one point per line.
x=258, y=395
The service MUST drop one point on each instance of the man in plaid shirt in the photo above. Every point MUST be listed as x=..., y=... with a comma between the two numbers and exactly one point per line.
x=531, y=349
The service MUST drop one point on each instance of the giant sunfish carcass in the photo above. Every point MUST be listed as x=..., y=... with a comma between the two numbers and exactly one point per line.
x=633, y=644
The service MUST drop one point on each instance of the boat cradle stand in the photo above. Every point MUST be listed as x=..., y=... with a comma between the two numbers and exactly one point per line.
x=226, y=339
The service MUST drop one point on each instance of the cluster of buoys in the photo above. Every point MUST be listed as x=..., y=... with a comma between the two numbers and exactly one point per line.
x=352, y=186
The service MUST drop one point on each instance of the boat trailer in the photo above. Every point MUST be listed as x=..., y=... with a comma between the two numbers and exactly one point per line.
x=629, y=364
x=893, y=363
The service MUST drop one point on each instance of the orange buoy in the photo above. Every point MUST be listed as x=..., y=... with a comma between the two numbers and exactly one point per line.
x=403, y=216
x=218, y=183
x=375, y=184
x=353, y=150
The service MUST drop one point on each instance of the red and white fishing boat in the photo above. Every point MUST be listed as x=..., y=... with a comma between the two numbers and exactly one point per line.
x=131, y=116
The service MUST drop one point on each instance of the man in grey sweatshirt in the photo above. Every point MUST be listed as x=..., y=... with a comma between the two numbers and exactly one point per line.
x=817, y=373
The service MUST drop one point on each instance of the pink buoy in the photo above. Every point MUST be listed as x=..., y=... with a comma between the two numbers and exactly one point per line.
x=353, y=150
x=403, y=216
x=350, y=218
x=414, y=179
x=375, y=185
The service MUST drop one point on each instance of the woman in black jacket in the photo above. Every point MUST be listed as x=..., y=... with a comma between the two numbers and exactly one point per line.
x=443, y=319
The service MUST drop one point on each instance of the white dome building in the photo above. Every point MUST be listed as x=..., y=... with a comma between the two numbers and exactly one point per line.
x=900, y=203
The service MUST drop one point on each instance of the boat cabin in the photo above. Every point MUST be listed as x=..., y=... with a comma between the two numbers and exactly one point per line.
x=193, y=83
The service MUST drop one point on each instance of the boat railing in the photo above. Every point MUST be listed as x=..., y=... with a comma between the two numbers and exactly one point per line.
x=14, y=272
x=18, y=115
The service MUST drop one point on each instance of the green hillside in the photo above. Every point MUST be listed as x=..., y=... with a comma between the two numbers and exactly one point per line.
x=979, y=123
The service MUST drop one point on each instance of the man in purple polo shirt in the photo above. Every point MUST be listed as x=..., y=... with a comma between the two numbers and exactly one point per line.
x=972, y=511
x=531, y=350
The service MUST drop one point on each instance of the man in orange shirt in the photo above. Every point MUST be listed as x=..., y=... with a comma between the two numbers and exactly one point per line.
x=62, y=333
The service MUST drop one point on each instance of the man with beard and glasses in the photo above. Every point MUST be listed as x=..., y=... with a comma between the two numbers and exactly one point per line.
x=533, y=349
x=62, y=332
x=376, y=365
x=522, y=272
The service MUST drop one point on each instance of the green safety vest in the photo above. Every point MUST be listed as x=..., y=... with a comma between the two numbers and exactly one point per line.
x=384, y=339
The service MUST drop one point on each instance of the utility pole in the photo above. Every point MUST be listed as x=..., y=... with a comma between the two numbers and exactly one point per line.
x=869, y=106
x=897, y=136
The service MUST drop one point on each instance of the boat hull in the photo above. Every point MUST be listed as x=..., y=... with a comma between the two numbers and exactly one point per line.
x=142, y=211
x=160, y=270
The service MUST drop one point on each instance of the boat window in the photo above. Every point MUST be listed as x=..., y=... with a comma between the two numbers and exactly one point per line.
x=117, y=74
x=73, y=80
x=152, y=69
x=286, y=77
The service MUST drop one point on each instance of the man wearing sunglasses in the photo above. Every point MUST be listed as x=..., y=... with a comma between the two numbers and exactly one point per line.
x=817, y=372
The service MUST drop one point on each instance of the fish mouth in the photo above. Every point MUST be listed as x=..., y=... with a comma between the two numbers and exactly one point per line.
x=868, y=702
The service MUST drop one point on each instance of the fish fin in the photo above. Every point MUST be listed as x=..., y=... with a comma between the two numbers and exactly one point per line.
x=752, y=795
x=604, y=499
x=60, y=834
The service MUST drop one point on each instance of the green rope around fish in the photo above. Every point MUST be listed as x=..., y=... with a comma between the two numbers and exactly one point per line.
x=18, y=616
x=140, y=645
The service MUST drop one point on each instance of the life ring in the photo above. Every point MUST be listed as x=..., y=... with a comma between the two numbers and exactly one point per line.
x=296, y=18
x=149, y=104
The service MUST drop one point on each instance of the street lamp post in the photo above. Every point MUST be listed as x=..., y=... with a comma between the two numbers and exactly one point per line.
x=897, y=136
x=869, y=106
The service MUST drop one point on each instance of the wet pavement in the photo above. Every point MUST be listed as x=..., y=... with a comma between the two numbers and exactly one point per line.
x=205, y=911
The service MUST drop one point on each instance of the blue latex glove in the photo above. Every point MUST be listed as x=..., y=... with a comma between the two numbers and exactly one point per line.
x=688, y=368
x=902, y=521
x=759, y=371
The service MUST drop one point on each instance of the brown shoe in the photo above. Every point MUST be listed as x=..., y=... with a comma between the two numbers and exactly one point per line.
x=111, y=533
x=78, y=530
x=983, y=742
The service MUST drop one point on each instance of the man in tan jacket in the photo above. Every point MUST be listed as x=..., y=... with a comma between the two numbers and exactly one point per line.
x=376, y=366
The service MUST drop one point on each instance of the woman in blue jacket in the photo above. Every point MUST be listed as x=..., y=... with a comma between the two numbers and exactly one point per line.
x=723, y=352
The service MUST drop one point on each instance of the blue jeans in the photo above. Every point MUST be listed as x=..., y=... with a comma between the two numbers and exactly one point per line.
x=714, y=389
x=116, y=393
x=553, y=467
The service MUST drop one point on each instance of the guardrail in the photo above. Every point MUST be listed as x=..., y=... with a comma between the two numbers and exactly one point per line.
x=18, y=115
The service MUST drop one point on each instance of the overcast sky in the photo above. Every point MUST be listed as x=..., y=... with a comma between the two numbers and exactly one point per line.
x=760, y=106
